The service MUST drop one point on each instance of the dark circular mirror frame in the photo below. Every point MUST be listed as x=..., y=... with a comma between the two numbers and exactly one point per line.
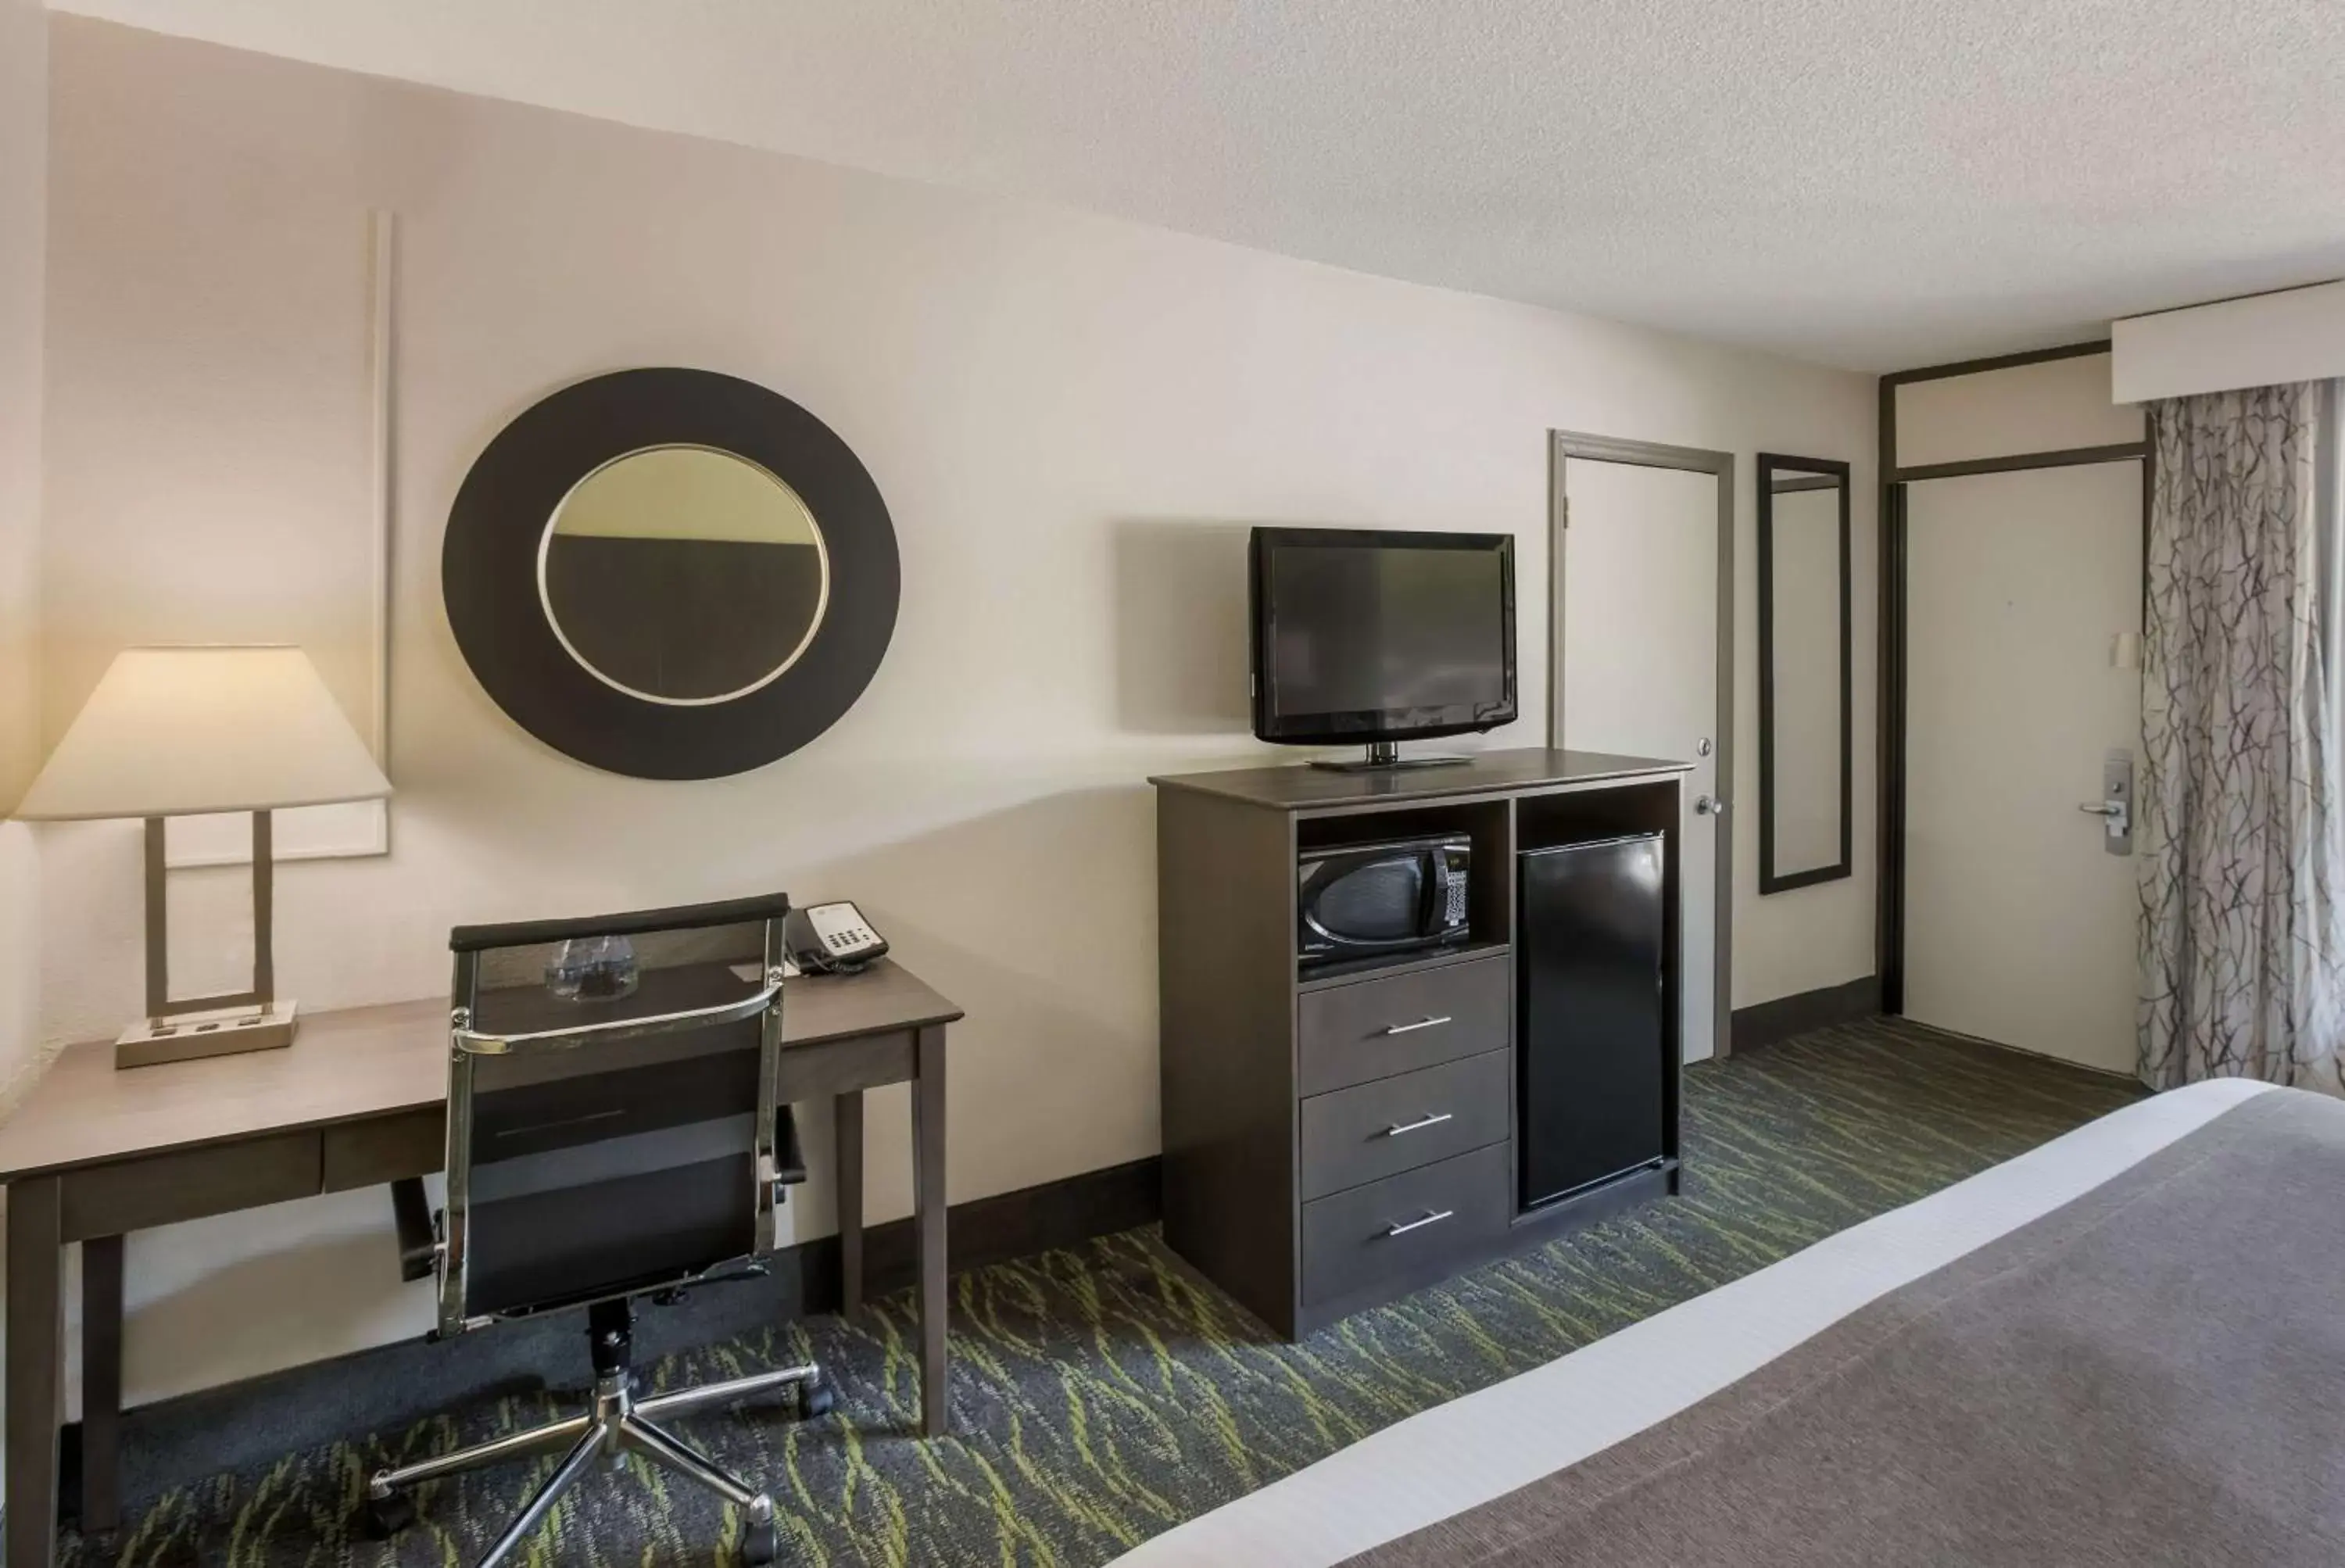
x=488, y=572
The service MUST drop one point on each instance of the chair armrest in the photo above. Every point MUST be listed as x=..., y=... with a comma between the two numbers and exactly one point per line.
x=419, y=1243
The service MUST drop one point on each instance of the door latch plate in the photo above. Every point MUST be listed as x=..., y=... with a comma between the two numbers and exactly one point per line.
x=2114, y=808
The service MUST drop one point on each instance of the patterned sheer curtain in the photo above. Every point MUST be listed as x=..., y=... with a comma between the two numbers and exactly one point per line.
x=2241, y=836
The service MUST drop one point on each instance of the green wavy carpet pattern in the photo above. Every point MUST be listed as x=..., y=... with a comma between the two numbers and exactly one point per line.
x=1102, y=1394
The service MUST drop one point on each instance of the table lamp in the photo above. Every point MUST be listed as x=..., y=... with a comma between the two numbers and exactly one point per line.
x=178, y=731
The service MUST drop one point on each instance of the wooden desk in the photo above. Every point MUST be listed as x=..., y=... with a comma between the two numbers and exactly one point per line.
x=359, y=1100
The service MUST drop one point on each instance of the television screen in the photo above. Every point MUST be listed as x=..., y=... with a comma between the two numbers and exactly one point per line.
x=1367, y=636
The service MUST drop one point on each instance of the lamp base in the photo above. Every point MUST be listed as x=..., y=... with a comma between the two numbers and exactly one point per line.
x=226, y=1031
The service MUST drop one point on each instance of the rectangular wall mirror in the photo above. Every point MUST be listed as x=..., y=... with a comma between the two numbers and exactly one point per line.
x=1804, y=788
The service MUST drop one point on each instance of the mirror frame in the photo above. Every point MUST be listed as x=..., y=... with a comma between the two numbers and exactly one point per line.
x=488, y=573
x=1770, y=879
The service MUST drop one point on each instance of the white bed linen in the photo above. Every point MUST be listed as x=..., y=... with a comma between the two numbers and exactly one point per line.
x=1460, y=1455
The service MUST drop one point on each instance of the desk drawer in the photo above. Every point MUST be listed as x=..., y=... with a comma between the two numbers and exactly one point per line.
x=190, y=1184
x=385, y=1148
x=1376, y=1028
x=1404, y=1224
x=1375, y=1130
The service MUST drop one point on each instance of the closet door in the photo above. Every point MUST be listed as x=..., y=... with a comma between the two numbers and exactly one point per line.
x=1639, y=645
x=2019, y=923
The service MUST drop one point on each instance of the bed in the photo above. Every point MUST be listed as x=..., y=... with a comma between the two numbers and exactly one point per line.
x=2125, y=1346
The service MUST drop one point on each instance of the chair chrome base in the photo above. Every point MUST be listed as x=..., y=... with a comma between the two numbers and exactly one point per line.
x=621, y=1425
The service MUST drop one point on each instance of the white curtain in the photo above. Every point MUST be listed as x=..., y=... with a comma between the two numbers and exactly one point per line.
x=2241, y=840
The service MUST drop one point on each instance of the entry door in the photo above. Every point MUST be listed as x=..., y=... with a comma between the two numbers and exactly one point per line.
x=2019, y=924
x=1639, y=651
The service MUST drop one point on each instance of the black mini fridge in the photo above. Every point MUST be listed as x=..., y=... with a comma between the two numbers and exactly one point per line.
x=1590, y=1097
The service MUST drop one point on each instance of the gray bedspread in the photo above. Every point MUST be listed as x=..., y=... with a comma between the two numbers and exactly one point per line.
x=2152, y=1374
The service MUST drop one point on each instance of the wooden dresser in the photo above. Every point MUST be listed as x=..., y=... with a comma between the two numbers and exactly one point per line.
x=1336, y=1139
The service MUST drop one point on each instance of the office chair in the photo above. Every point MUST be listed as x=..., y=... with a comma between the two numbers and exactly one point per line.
x=612, y=1132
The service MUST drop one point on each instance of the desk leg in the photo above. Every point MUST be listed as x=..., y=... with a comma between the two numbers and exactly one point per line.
x=848, y=1132
x=35, y=1360
x=929, y=1207
x=101, y=1384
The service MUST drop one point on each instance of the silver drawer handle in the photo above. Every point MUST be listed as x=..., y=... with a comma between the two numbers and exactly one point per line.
x=1428, y=1218
x=1412, y=1028
x=1432, y=1119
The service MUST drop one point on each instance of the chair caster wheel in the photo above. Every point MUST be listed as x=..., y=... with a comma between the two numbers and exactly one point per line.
x=762, y=1545
x=815, y=1400
x=386, y=1516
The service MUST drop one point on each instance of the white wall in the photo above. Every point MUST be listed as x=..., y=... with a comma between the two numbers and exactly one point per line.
x=2055, y=406
x=24, y=187
x=1073, y=420
x=23, y=232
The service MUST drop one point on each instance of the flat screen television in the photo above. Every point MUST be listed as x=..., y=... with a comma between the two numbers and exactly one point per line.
x=1379, y=636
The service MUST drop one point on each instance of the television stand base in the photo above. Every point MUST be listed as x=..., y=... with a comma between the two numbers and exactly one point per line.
x=1383, y=757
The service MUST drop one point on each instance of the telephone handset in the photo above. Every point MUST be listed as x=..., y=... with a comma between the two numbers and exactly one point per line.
x=831, y=939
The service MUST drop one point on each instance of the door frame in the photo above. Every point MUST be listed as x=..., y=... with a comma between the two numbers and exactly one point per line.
x=1889, y=934
x=1563, y=445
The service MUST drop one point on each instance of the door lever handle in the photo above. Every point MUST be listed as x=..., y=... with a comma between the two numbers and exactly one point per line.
x=2117, y=813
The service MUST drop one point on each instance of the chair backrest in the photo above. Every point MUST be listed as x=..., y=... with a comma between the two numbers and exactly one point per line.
x=600, y=1144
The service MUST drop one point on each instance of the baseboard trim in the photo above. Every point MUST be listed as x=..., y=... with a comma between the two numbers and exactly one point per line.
x=2116, y=1074
x=173, y=1442
x=1765, y=1022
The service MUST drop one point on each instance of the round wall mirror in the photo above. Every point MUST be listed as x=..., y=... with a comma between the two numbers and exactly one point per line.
x=670, y=574
x=683, y=574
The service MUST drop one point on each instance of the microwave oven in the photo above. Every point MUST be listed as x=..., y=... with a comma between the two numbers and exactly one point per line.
x=1380, y=901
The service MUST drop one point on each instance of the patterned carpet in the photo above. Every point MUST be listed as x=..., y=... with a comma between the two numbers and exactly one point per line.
x=1102, y=1394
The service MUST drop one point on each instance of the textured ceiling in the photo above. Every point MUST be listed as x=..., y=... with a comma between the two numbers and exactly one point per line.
x=1872, y=183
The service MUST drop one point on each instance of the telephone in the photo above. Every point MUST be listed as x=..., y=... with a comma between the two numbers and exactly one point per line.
x=831, y=939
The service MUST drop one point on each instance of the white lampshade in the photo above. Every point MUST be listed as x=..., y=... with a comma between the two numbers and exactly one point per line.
x=173, y=731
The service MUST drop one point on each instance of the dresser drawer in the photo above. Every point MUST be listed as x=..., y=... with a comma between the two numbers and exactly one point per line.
x=1372, y=1131
x=1377, y=1028
x=1412, y=1222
